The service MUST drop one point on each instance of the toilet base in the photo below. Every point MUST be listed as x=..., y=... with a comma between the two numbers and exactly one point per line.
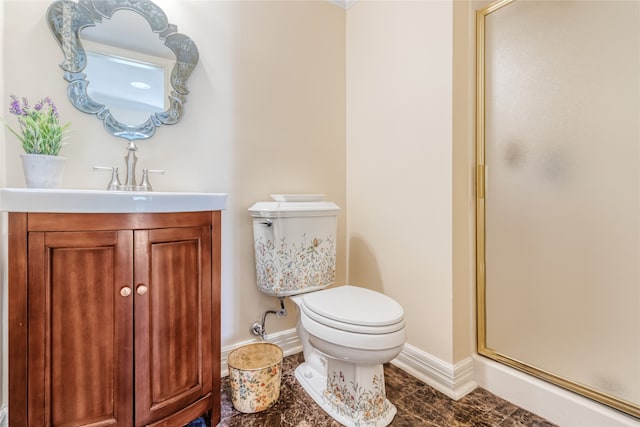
x=354, y=395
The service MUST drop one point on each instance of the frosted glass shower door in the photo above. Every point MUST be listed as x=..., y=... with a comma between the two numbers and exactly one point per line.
x=561, y=157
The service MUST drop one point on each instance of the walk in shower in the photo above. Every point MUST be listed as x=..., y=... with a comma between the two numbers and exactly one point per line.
x=558, y=193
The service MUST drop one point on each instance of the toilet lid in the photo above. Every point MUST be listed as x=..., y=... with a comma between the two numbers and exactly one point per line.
x=354, y=306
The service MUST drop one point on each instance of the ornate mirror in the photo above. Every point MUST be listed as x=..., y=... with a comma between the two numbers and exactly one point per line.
x=124, y=62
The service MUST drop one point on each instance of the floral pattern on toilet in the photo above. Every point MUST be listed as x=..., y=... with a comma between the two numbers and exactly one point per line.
x=286, y=268
x=365, y=405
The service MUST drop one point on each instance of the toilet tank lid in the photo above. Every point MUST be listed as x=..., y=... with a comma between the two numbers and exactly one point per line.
x=293, y=209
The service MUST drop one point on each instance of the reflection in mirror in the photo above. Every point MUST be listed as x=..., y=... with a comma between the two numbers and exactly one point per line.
x=124, y=62
x=132, y=78
x=133, y=90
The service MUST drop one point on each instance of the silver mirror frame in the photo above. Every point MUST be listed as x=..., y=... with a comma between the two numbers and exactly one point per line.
x=66, y=19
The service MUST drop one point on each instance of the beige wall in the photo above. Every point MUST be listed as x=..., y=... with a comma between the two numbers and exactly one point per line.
x=275, y=88
x=400, y=172
x=266, y=115
x=4, y=387
x=372, y=105
x=463, y=215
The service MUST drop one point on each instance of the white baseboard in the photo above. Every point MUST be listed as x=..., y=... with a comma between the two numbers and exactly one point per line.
x=556, y=404
x=4, y=417
x=287, y=340
x=453, y=380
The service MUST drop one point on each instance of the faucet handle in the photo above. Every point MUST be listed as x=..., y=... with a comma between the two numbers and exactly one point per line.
x=114, y=184
x=145, y=185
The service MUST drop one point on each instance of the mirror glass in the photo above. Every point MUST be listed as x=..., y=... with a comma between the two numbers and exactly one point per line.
x=133, y=79
x=124, y=63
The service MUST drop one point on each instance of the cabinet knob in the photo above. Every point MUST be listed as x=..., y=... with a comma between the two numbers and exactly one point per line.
x=125, y=291
x=142, y=289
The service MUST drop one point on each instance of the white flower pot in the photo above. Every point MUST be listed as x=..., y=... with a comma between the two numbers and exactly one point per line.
x=42, y=171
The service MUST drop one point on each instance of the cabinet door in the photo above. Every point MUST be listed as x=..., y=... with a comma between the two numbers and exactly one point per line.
x=172, y=310
x=80, y=328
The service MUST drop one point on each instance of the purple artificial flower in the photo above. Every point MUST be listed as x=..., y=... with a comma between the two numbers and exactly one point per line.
x=38, y=126
x=52, y=105
x=15, y=107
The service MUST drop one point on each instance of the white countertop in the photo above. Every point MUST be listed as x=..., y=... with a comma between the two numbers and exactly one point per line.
x=102, y=201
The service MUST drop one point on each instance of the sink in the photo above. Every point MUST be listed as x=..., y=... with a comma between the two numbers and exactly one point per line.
x=102, y=201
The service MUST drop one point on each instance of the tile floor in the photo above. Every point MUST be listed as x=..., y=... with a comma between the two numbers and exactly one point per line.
x=418, y=405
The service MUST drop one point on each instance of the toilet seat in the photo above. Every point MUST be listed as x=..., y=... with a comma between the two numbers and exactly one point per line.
x=350, y=327
x=354, y=340
x=354, y=309
x=353, y=317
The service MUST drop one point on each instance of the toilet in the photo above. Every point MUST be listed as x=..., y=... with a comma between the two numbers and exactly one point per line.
x=347, y=332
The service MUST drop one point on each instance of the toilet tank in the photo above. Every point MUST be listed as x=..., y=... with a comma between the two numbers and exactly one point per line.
x=295, y=245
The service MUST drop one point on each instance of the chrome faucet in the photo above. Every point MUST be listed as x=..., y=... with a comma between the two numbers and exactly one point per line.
x=131, y=159
x=130, y=181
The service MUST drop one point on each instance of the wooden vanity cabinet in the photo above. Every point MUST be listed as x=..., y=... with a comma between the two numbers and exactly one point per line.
x=114, y=319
